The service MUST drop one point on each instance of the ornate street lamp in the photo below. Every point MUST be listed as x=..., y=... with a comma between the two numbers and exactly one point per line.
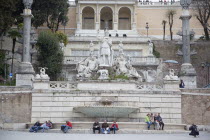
x=27, y=3
x=147, y=27
x=185, y=3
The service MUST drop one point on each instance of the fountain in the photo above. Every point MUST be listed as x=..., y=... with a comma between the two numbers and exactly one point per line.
x=106, y=110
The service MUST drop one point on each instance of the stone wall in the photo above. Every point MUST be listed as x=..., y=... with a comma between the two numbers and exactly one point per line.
x=196, y=107
x=168, y=50
x=58, y=106
x=15, y=105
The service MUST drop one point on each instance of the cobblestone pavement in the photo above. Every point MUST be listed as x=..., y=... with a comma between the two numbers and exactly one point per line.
x=17, y=135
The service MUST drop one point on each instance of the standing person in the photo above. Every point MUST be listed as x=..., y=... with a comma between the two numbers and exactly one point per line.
x=147, y=120
x=152, y=119
x=114, y=127
x=105, y=128
x=160, y=120
x=194, y=130
x=181, y=85
x=66, y=127
x=96, y=126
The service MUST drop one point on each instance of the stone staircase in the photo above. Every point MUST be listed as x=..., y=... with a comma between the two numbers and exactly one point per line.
x=125, y=128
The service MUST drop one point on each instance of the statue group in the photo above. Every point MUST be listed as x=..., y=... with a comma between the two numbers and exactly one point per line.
x=105, y=59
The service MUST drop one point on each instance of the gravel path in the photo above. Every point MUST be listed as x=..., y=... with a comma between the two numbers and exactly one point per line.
x=17, y=135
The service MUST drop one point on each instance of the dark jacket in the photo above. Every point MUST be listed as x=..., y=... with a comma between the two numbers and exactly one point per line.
x=159, y=119
x=194, y=130
x=105, y=125
x=96, y=125
x=37, y=124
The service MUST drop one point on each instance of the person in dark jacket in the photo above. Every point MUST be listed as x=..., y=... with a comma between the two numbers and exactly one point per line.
x=160, y=120
x=36, y=125
x=96, y=126
x=181, y=85
x=105, y=128
x=194, y=130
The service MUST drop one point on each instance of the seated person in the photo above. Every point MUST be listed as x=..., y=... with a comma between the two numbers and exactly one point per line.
x=66, y=127
x=147, y=120
x=37, y=124
x=152, y=119
x=194, y=130
x=114, y=127
x=157, y=125
x=160, y=120
x=42, y=127
x=105, y=128
x=50, y=124
x=96, y=126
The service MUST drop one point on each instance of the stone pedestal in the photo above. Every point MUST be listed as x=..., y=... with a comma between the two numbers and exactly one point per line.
x=25, y=74
x=171, y=85
x=41, y=83
x=188, y=75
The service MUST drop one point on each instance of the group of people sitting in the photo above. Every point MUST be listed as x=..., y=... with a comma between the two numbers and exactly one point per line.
x=155, y=120
x=38, y=126
x=105, y=129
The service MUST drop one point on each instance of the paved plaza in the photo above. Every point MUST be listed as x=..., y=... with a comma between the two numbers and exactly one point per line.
x=17, y=135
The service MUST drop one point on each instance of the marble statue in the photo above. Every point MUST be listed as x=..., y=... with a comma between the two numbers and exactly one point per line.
x=151, y=45
x=106, y=52
x=120, y=46
x=104, y=74
x=171, y=75
x=91, y=48
x=123, y=66
x=61, y=44
x=42, y=74
x=86, y=67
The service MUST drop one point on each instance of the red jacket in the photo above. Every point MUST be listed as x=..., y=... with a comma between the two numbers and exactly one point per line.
x=116, y=125
x=69, y=124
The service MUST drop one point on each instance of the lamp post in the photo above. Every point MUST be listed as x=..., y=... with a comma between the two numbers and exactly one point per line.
x=147, y=27
x=206, y=64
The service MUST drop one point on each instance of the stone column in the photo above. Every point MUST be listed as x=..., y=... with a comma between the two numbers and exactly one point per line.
x=133, y=18
x=78, y=17
x=115, y=17
x=187, y=73
x=97, y=23
x=25, y=72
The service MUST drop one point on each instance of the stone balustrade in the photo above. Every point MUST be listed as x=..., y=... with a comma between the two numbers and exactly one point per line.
x=134, y=60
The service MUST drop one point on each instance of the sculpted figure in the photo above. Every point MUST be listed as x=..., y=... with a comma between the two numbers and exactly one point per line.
x=151, y=45
x=171, y=75
x=86, y=67
x=91, y=48
x=106, y=52
x=120, y=48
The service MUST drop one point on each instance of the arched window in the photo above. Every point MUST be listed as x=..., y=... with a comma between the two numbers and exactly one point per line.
x=106, y=18
x=88, y=21
x=124, y=22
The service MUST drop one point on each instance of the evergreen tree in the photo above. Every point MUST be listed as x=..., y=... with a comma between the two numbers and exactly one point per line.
x=50, y=54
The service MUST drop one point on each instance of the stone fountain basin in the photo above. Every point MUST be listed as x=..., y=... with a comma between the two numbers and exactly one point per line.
x=106, y=111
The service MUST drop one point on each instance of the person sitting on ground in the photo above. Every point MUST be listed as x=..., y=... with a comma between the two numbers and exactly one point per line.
x=160, y=120
x=105, y=128
x=147, y=120
x=194, y=130
x=157, y=125
x=37, y=124
x=50, y=124
x=42, y=127
x=66, y=127
x=151, y=117
x=114, y=127
x=96, y=126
